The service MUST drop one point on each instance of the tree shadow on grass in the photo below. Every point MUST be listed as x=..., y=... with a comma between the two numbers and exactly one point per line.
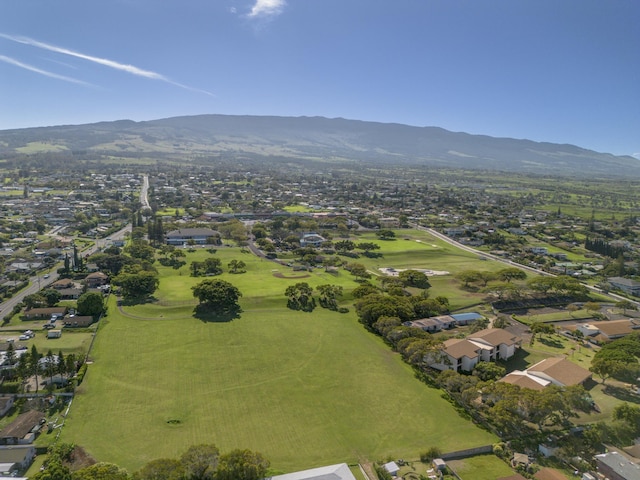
x=518, y=361
x=620, y=393
x=206, y=315
x=550, y=341
x=129, y=302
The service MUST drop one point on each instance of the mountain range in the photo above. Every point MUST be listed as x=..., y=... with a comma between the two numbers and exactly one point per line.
x=312, y=138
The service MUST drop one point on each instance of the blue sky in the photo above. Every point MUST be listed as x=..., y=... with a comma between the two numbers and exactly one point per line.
x=563, y=71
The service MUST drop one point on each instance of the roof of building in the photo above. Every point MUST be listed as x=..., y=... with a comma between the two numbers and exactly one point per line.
x=623, y=281
x=495, y=336
x=465, y=317
x=458, y=348
x=100, y=275
x=332, y=472
x=615, y=328
x=14, y=453
x=192, y=232
x=524, y=380
x=619, y=464
x=562, y=370
x=22, y=425
x=45, y=310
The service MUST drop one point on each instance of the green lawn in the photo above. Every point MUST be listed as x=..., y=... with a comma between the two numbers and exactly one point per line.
x=481, y=467
x=305, y=389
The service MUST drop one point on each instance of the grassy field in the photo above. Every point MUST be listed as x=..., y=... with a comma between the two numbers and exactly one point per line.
x=305, y=389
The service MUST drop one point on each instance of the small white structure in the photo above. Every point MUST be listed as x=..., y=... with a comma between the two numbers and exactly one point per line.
x=392, y=468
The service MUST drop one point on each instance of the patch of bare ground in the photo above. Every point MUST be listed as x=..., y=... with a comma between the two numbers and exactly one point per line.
x=290, y=277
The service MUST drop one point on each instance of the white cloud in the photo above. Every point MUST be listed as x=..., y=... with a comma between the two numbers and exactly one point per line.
x=101, y=61
x=267, y=8
x=46, y=73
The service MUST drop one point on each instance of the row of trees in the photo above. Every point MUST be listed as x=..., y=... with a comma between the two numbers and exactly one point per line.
x=300, y=296
x=198, y=462
x=213, y=266
x=34, y=364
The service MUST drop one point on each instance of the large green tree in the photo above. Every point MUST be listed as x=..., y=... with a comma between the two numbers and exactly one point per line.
x=200, y=462
x=242, y=465
x=90, y=303
x=137, y=285
x=218, y=296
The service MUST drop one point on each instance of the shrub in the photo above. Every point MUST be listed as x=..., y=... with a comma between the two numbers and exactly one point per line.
x=430, y=454
x=343, y=310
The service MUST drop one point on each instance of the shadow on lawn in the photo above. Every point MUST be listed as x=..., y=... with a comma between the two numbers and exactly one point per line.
x=210, y=316
x=129, y=302
x=620, y=393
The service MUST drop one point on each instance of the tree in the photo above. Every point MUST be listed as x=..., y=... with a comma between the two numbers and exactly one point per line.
x=511, y=273
x=137, y=285
x=90, y=303
x=625, y=305
x=386, y=234
x=605, y=368
x=237, y=266
x=51, y=295
x=200, y=462
x=218, y=296
x=141, y=250
x=101, y=471
x=242, y=465
x=161, y=469
x=53, y=471
x=358, y=270
x=467, y=277
x=592, y=307
x=34, y=364
x=344, y=245
x=329, y=295
x=368, y=247
x=300, y=297
x=488, y=371
x=34, y=300
x=414, y=278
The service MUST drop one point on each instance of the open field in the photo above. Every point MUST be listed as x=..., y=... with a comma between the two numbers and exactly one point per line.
x=305, y=389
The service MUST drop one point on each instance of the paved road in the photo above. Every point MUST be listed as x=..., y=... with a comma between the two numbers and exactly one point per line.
x=144, y=197
x=38, y=282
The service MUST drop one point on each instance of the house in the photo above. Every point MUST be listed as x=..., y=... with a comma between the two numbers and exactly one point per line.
x=332, y=472
x=198, y=236
x=96, y=279
x=433, y=324
x=560, y=371
x=495, y=344
x=23, y=429
x=311, y=240
x=16, y=458
x=6, y=403
x=627, y=286
x=69, y=293
x=550, y=371
x=47, y=312
x=615, y=466
x=78, y=321
x=62, y=284
x=466, y=318
x=458, y=354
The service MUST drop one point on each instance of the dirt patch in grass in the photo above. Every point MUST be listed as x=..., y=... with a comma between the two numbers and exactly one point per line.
x=282, y=275
x=80, y=459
